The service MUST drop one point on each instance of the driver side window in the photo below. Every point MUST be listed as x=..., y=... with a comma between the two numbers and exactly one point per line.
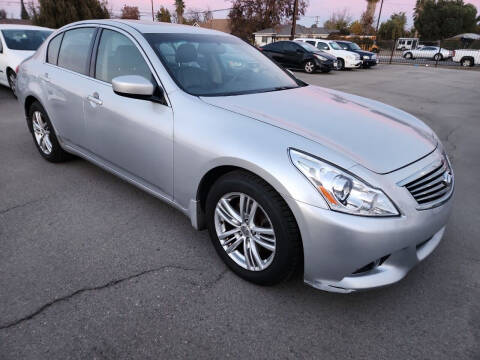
x=322, y=46
x=117, y=56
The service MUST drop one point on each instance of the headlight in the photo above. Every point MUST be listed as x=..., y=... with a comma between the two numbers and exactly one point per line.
x=342, y=191
x=366, y=57
x=320, y=57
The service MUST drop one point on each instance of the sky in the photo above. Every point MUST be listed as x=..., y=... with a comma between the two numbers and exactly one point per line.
x=321, y=8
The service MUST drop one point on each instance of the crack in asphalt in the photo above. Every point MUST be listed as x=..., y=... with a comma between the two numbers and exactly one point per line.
x=4, y=211
x=93, y=288
x=447, y=140
x=217, y=279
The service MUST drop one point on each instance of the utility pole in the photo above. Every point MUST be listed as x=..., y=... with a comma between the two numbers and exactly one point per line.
x=153, y=16
x=294, y=20
x=379, y=15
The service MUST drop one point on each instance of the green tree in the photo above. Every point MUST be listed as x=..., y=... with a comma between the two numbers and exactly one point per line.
x=394, y=27
x=130, y=12
x=24, y=13
x=340, y=20
x=56, y=13
x=179, y=10
x=163, y=15
x=249, y=16
x=356, y=28
x=440, y=19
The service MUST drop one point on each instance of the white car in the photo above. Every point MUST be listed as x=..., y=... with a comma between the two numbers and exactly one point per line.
x=428, y=52
x=346, y=59
x=467, y=57
x=18, y=42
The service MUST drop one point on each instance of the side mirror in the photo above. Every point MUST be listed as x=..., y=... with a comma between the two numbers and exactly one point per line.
x=134, y=86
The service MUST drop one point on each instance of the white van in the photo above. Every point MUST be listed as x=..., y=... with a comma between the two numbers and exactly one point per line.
x=407, y=43
x=345, y=59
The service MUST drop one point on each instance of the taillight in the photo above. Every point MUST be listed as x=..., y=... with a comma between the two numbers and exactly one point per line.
x=16, y=70
x=453, y=53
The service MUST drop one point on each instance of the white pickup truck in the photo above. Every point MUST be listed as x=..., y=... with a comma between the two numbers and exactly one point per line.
x=467, y=57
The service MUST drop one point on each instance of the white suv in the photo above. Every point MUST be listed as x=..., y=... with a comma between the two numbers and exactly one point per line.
x=346, y=59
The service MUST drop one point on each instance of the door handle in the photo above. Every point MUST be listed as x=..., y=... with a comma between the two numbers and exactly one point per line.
x=94, y=99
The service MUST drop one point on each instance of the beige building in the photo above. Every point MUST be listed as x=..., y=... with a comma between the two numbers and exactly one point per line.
x=282, y=32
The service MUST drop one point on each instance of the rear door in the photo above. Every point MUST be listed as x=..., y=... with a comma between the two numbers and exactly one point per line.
x=65, y=79
x=132, y=136
x=275, y=52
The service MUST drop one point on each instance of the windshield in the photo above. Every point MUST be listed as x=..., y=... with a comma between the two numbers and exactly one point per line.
x=307, y=46
x=28, y=40
x=215, y=65
x=354, y=46
x=335, y=46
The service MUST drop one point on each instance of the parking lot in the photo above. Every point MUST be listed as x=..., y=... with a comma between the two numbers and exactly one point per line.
x=93, y=268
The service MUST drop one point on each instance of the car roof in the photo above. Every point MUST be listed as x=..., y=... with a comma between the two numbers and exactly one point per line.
x=146, y=27
x=22, y=27
x=313, y=39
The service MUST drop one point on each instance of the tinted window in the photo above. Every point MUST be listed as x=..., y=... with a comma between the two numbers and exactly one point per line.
x=322, y=46
x=118, y=56
x=311, y=42
x=75, y=50
x=343, y=45
x=277, y=46
x=288, y=46
x=53, y=47
x=28, y=40
x=216, y=65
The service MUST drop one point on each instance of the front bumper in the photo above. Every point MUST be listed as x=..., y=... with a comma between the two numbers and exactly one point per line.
x=353, y=64
x=370, y=62
x=326, y=65
x=345, y=253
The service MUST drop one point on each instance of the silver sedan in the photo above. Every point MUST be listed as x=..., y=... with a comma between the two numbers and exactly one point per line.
x=283, y=174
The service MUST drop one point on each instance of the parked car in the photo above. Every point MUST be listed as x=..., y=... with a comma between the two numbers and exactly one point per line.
x=467, y=57
x=282, y=173
x=368, y=58
x=296, y=55
x=428, y=52
x=407, y=43
x=17, y=42
x=346, y=59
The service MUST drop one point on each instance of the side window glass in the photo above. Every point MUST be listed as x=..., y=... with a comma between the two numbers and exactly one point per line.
x=311, y=42
x=53, y=48
x=118, y=56
x=287, y=46
x=75, y=49
x=322, y=46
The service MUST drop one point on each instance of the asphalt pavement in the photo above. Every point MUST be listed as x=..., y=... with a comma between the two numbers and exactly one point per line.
x=93, y=268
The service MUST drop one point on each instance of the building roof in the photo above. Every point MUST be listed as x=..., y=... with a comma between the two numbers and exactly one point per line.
x=299, y=29
x=217, y=24
x=16, y=21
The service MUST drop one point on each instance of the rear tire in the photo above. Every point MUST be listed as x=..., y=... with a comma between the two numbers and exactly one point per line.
x=467, y=62
x=284, y=259
x=408, y=56
x=44, y=135
x=438, y=57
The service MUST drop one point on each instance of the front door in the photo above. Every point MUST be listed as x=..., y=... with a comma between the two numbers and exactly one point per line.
x=133, y=136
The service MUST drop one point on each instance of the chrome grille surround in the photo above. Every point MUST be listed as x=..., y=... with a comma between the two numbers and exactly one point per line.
x=432, y=185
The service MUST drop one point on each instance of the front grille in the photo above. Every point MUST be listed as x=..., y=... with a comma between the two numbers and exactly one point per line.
x=432, y=185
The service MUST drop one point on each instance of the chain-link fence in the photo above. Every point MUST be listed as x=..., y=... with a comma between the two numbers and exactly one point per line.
x=462, y=52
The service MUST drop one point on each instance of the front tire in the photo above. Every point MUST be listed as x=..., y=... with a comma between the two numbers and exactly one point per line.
x=408, y=56
x=438, y=57
x=44, y=135
x=467, y=62
x=253, y=229
x=309, y=67
x=12, y=81
x=340, y=64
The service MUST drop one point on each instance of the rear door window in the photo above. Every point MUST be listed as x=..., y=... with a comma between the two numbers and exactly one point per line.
x=75, y=50
x=53, y=48
x=322, y=46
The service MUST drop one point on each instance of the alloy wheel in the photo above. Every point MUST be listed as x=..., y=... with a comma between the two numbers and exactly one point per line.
x=41, y=131
x=245, y=231
x=309, y=67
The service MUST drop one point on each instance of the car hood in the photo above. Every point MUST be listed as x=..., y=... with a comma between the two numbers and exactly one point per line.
x=326, y=55
x=374, y=135
x=364, y=53
x=17, y=56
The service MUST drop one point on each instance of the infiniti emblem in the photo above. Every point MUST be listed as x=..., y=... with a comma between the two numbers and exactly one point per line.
x=447, y=178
